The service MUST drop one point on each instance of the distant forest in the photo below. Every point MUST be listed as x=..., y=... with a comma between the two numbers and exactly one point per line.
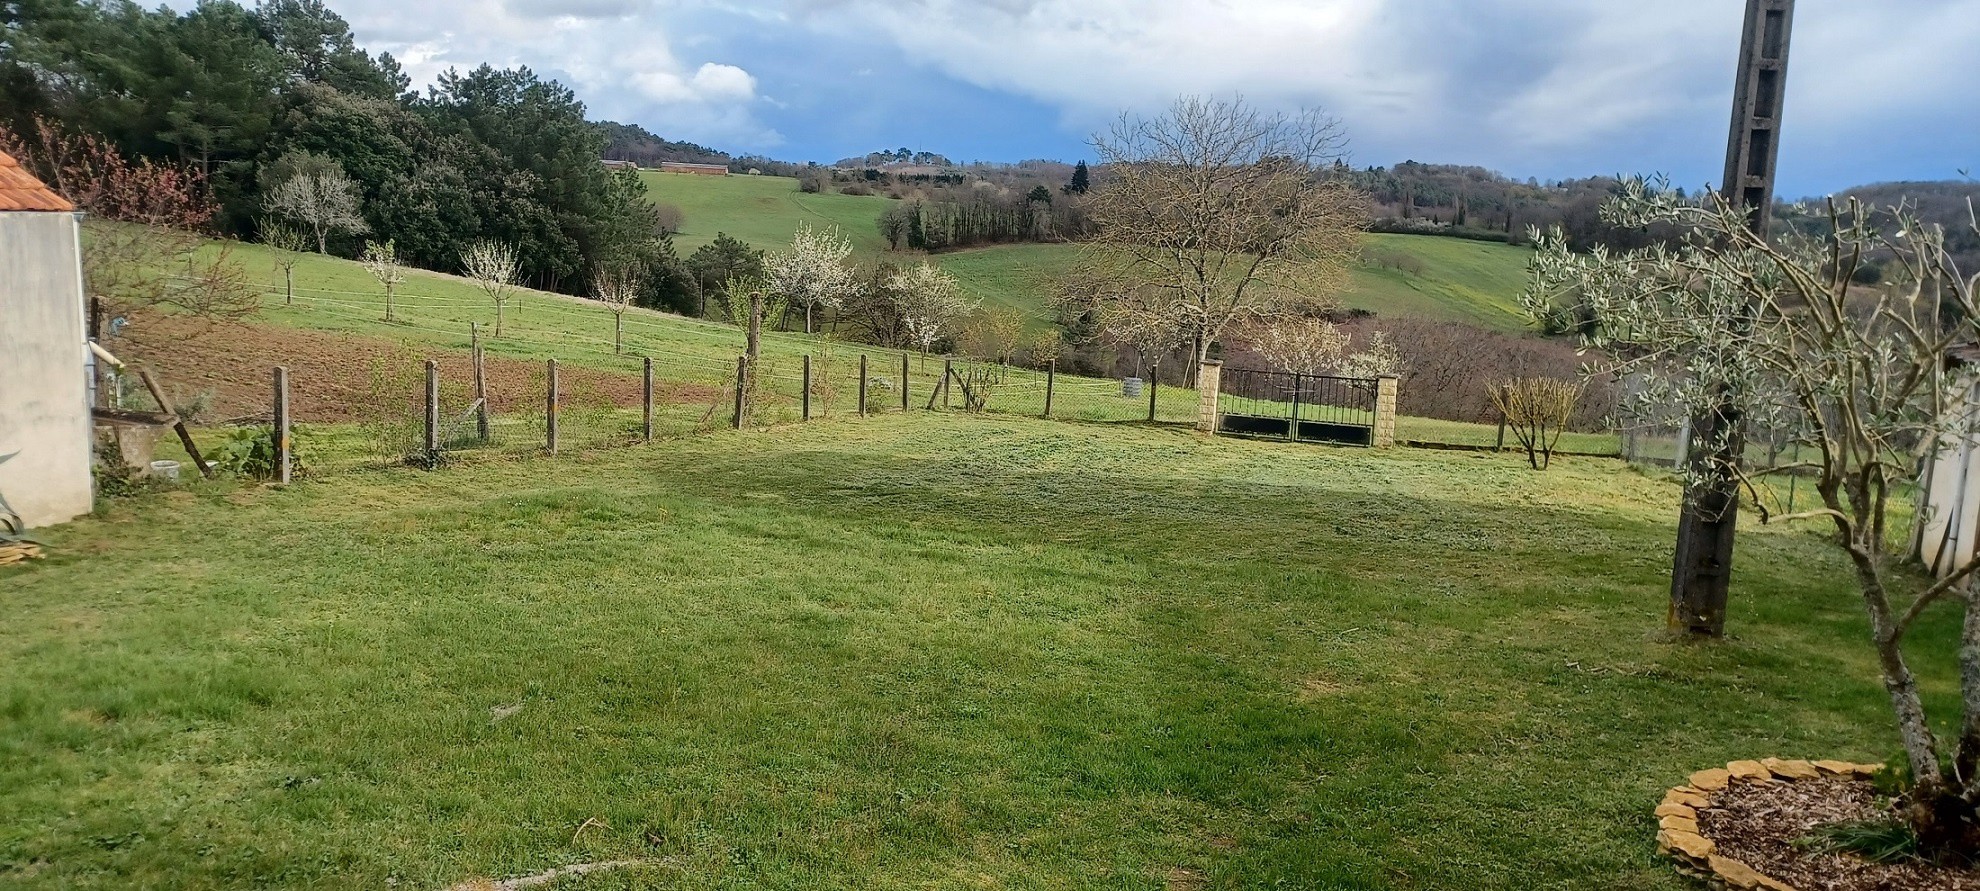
x=631, y=142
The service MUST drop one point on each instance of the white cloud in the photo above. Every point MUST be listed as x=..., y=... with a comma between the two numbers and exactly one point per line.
x=617, y=54
x=1501, y=83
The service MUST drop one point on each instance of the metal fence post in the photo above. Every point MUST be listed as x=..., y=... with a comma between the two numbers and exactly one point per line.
x=1153, y=374
x=432, y=411
x=1292, y=426
x=646, y=401
x=948, y=371
x=904, y=381
x=862, y=385
x=283, y=459
x=550, y=411
x=742, y=378
x=1051, y=374
x=806, y=398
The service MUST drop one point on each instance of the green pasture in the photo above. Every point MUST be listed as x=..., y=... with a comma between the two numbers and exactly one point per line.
x=907, y=651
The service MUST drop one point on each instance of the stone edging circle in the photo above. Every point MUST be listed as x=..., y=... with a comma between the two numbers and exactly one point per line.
x=1677, y=816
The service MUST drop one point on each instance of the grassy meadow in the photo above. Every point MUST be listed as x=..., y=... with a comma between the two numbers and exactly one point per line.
x=912, y=651
x=1458, y=280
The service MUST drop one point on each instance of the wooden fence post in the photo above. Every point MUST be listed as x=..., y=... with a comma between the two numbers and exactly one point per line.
x=742, y=377
x=481, y=431
x=1051, y=377
x=948, y=371
x=862, y=385
x=646, y=401
x=432, y=412
x=550, y=411
x=806, y=399
x=178, y=423
x=904, y=380
x=283, y=459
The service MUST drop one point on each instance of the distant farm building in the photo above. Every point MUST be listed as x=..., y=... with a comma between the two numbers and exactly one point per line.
x=45, y=423
x=698, y=169
x=619, y=165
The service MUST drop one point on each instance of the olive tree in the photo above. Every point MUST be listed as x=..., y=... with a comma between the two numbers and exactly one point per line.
x=1217, y=214
x=1779, y=333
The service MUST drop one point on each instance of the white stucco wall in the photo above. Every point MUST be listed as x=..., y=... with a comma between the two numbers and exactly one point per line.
x=44, y=405
x=1947, y=537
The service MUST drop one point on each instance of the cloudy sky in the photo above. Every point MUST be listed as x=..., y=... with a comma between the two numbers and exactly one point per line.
x=1877, y=89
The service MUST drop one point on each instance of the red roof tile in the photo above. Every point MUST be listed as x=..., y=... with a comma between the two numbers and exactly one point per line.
x=19, y=190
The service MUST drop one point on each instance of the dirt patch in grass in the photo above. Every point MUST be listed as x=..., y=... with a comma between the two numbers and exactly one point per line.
x=330, y=374
x=1759, y=823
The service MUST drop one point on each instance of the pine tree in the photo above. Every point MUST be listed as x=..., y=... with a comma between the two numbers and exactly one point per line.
x=1081, y=180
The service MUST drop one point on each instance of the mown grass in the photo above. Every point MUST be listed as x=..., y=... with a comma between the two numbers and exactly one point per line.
x=904, y=652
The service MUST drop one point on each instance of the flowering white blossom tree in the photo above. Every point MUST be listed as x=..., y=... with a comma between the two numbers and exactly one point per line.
x=1779, y=333
x=813, y=273
x=930, y=303
x=493, y=266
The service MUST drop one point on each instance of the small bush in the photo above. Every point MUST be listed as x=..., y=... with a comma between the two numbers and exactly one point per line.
x=250, y=452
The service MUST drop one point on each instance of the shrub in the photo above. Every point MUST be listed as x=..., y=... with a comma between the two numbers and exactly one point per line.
x=250, y=452
x=1537, y=410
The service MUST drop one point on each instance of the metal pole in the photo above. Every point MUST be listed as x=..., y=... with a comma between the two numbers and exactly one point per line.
x=283, y=459
x=1701, y=565
x=742, y=378
x=1153, y=374
x=862, y=385
x=948, y=371
x=1292, y=426
x=550, y=411
x=807, y=388
x=904, y=381
x=646, y=400
x=1051, y=372
x=432, y=411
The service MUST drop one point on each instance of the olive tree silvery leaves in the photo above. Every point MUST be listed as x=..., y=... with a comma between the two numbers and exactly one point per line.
x=1862, y=381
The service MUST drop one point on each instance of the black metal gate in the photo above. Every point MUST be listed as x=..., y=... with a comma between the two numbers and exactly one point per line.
x=1311, y=407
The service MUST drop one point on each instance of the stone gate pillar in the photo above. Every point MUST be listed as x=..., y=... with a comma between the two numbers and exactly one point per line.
x=1385, y=410
x=1209, y=376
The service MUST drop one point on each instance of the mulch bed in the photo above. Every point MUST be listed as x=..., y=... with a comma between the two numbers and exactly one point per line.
x=330, y=374
x=1758, y=823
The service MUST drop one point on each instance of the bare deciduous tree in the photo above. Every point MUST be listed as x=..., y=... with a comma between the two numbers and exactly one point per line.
x=618, y=289
x=381, y=259
x=493, y=266
x=813, y=274
x=1859, y=379
x=1218, y=214
x=1537, y=410
x=322, y=201
x=288, y=243
x=995, y=332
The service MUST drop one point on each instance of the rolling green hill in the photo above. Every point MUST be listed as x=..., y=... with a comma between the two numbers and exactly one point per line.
x=1453, y=279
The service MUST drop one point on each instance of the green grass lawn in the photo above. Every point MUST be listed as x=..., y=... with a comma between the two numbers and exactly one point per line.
x=921, y=651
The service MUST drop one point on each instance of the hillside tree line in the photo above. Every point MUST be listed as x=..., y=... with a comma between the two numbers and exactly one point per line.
x=252, y=99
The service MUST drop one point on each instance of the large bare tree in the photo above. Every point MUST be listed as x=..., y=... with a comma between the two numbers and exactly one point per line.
x=1859, y=380
x=323, y=200
x=1216, y=214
